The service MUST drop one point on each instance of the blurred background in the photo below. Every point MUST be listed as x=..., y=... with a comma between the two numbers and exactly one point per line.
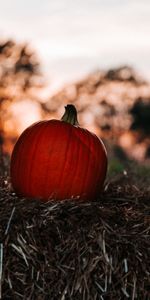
x=94, y=54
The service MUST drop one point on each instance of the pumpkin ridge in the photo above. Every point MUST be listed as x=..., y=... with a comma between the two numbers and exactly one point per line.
x=82, y=140
x=86, y=173
x=21, y=143
x=97, y=183
x=103, y=167
x=46, y=128
x=76, y=169
x=90, y=154
x=61, y=177
x=73, y=176
x=29, y=176
x=52, y=141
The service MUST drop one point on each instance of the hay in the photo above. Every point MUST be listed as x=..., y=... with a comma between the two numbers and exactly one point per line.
x=71, y=250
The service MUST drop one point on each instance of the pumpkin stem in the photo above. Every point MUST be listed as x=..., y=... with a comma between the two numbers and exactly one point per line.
x=70, y=115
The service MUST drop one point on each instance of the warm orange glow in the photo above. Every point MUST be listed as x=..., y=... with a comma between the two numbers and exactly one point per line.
x=23, y=114
x=103, y=101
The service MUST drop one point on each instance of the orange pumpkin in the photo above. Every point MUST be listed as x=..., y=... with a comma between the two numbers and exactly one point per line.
x=58, y=159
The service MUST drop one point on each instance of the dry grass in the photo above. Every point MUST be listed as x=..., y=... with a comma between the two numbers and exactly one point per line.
x=75, y=250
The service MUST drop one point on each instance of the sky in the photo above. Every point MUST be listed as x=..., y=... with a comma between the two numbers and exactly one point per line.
x=73, y=38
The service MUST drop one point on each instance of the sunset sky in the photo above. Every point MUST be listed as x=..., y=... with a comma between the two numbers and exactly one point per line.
x=73, y=38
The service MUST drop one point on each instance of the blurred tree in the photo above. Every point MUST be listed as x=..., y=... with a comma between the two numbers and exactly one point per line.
x=108, y=103
x=26, y=63
x=123, y=73
x=17, y=60
x=141, y=115
x=20, y=79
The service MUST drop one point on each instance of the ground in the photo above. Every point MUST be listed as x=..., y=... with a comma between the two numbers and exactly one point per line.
x=77, y=250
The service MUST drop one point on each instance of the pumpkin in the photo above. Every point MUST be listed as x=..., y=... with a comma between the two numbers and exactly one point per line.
x=57, y=159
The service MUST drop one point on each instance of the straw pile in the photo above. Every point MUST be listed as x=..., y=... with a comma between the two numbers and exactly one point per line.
x=75, y=250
